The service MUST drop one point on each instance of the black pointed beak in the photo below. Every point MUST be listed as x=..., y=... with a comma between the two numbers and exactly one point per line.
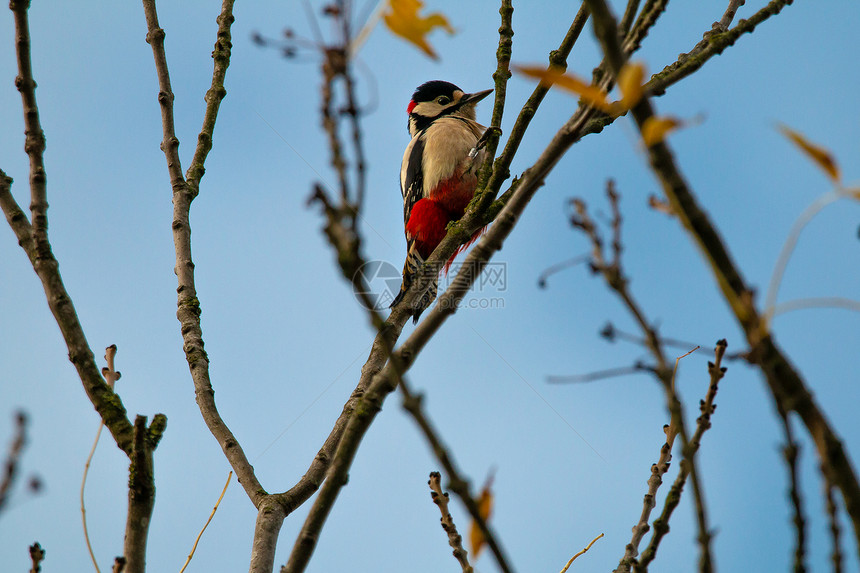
x=475, y=97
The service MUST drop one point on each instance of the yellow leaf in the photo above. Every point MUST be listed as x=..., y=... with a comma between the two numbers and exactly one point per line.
x=656, y=129
x=818, y=154
x=485, y=508
x=553, y=76
x=630, y=82
x=404, y=21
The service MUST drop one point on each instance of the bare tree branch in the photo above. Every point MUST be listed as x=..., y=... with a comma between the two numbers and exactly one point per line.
x=635, y=368
x=205, y=525
x=34, y=143
x=141, y=493
x=613, y=273
x=501, y=166
x=455, y=540
x=412, y=403
x=629, y=15
x=661, y=524
x=381, y=379
x=713, y=44
x=500, y=80
x=185, y=189
x=729, y=14
x=137, y=443
x=581, y=553
x=33, y=238
x=652, y=10
x=786, y=385
x=111, y=376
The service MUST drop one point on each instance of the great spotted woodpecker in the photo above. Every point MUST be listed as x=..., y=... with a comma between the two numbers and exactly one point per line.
x=438, y=175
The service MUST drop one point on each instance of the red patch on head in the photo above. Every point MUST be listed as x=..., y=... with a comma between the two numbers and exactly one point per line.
x=411, y=106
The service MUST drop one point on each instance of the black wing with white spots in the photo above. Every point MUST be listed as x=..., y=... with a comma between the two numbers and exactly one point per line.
x=412, y=178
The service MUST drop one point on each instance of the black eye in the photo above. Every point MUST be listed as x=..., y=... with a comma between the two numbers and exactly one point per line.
x=443, y=100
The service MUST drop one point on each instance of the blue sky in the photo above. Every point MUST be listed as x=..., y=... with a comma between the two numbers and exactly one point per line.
x=286, y=337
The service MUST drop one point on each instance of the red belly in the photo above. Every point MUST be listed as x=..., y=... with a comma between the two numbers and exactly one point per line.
x=430, y=216
x=427, y=224
x=454, y=193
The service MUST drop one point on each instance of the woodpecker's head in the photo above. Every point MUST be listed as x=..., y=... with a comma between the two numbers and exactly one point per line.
x=436, y=99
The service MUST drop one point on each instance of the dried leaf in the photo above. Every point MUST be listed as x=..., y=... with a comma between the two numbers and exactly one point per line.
x=656, y=129
x=485, y=508
x=404, y=21
x=630, y=82
x=818, y=154
x=590, y=93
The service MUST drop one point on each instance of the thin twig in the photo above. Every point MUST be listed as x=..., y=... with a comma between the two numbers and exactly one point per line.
x=833, y=520
x=670, y=75
x=457, y=483
x=83, y=504
x=37, y=555
x=629, y=15
x=791, y=452
x=610, y=332
x=553, y=269
x=34, y=143
x=816, y=302
x=788, y=247
x=500, y=79
x=111, y=376
x=14, y=214
x=636, y=368
x=713, y=44
x=557, y=59
x=455, y=540
x=730, y=12
x=208, y=521
x=13, y=458
x=703, y=423
x=649, y=15
x=587, y=547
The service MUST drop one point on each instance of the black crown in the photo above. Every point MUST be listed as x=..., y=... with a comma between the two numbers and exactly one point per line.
x=431, y=90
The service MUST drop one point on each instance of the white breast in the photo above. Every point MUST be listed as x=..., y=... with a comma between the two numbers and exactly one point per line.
x=447, y=143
